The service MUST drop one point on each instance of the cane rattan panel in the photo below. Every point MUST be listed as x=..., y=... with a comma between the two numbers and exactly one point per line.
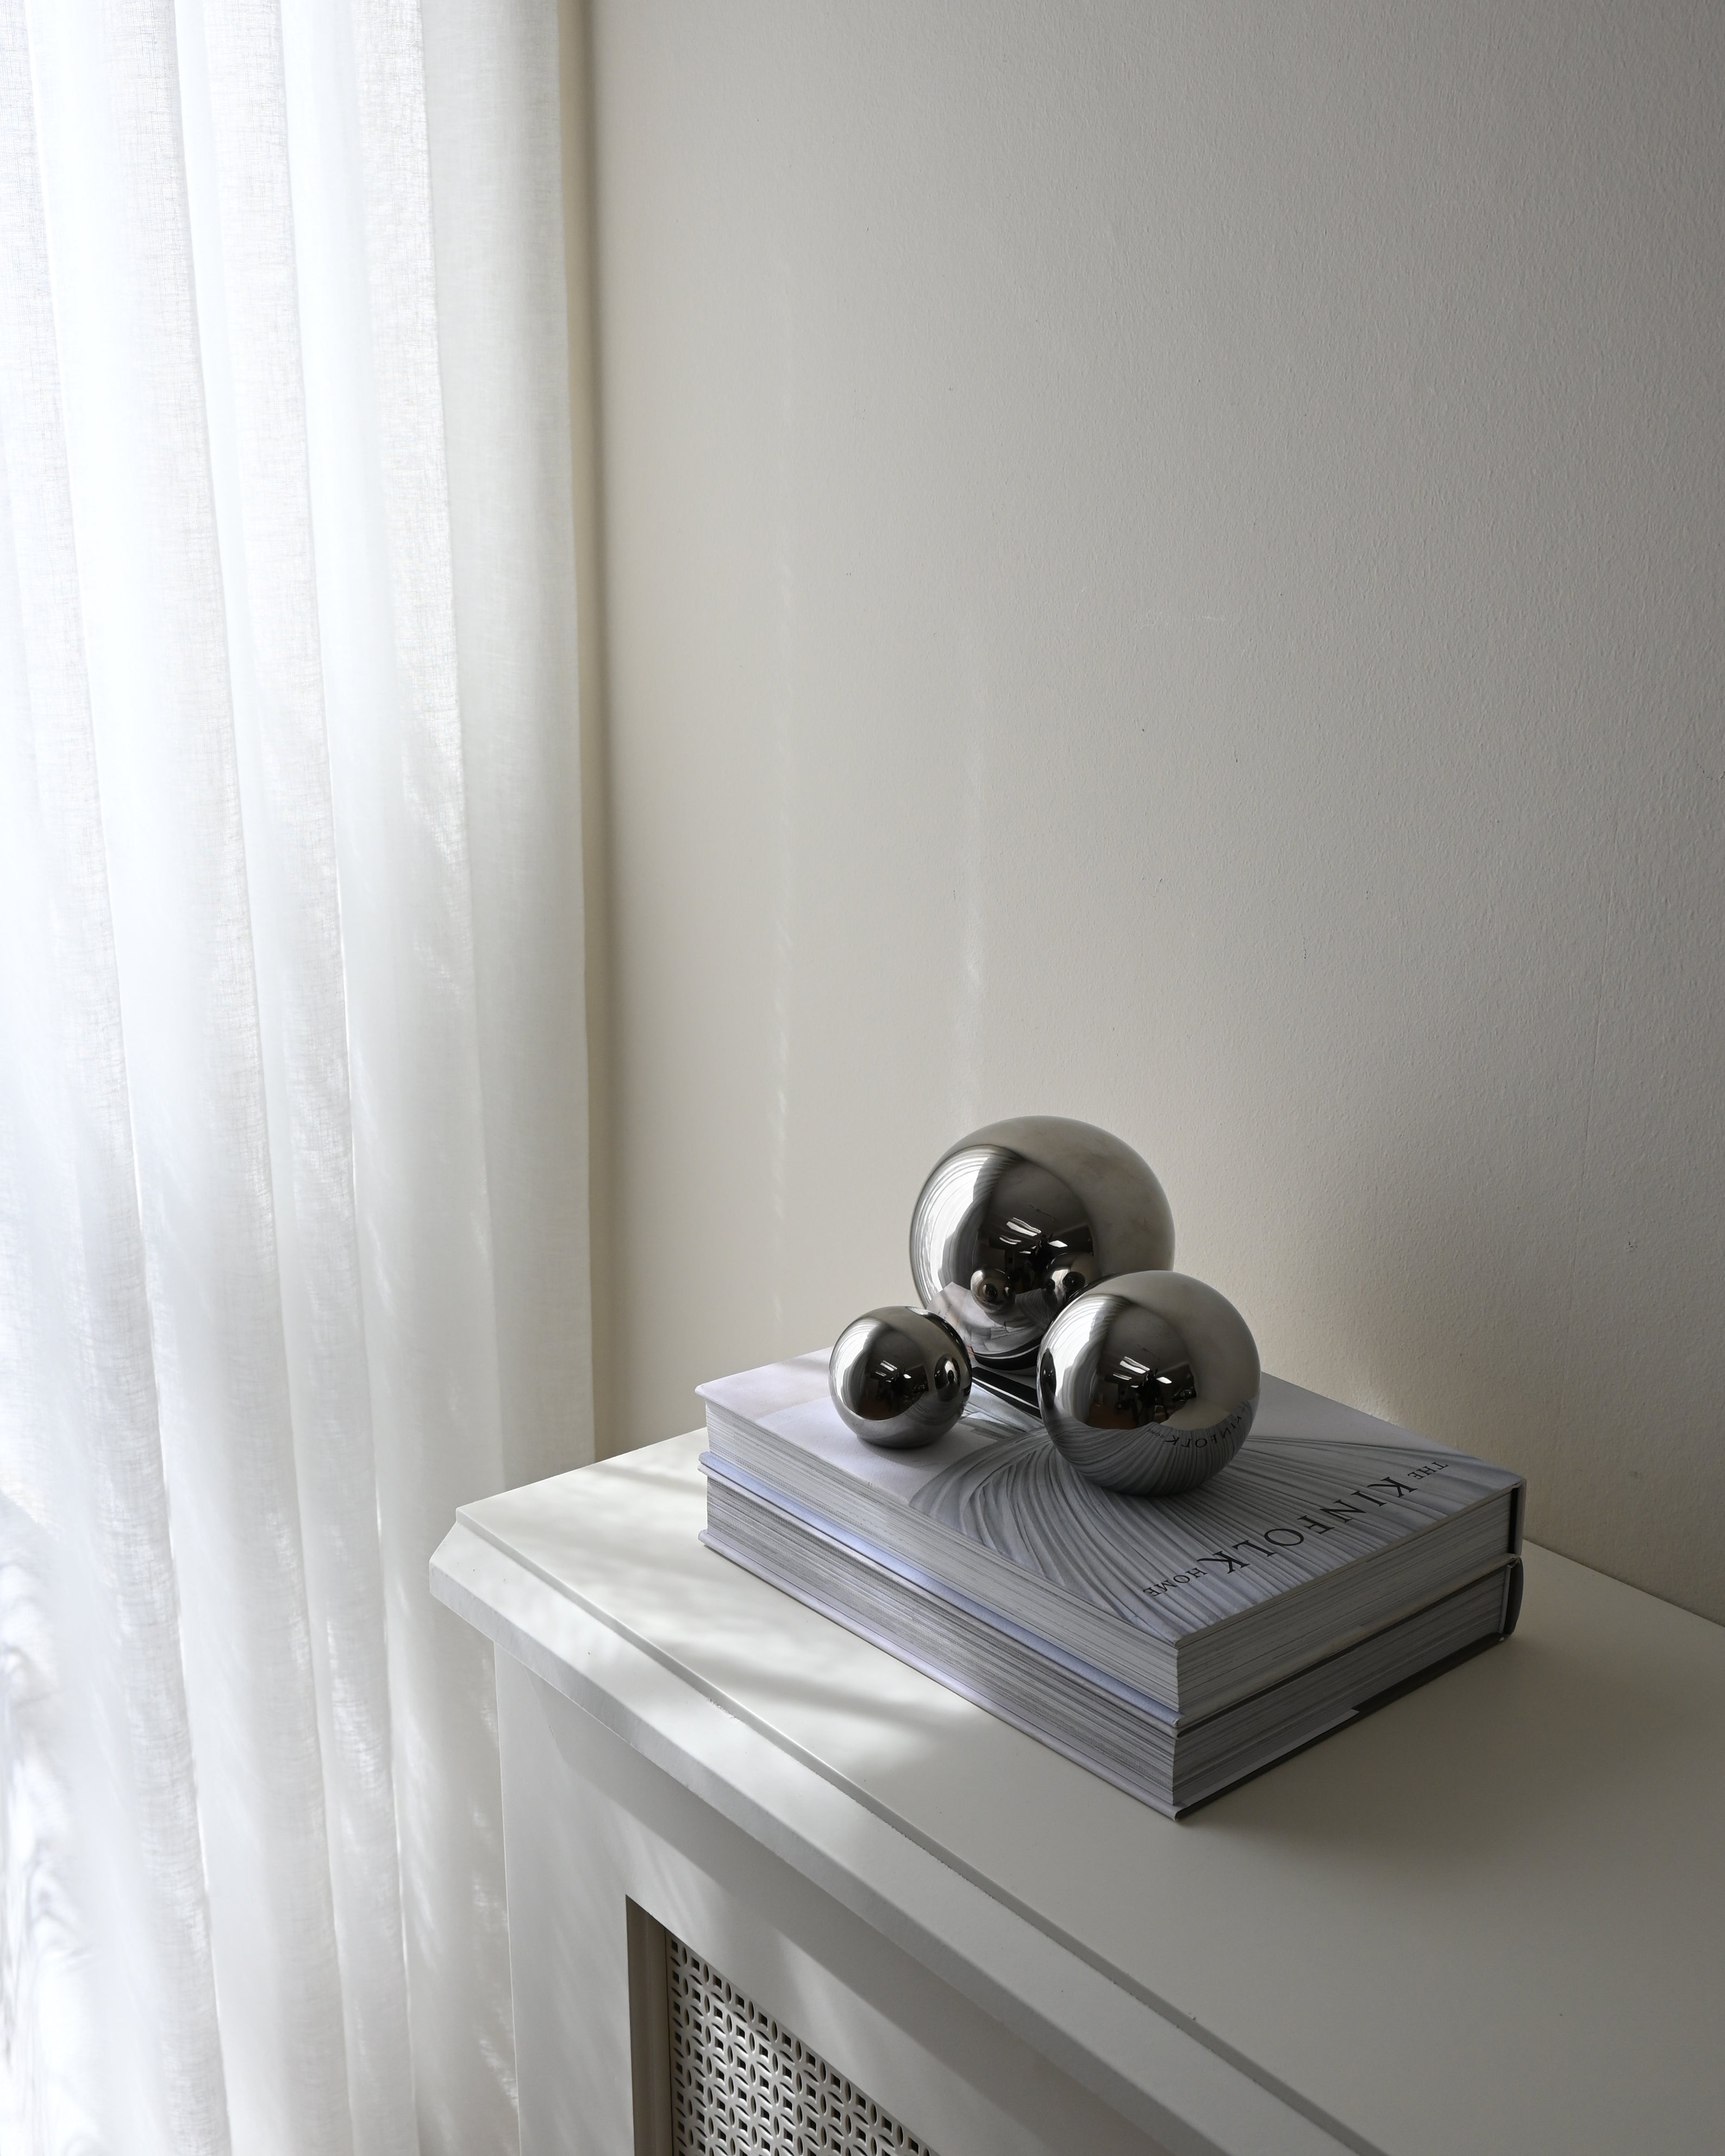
x=741, y=2086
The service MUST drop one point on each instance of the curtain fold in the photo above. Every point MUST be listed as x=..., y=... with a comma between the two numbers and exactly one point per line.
x=292, y=1086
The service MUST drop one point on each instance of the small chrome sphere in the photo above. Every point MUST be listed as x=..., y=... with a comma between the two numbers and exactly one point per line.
x=899, y=1378
x=1148, y=1385
x=1018, y=1220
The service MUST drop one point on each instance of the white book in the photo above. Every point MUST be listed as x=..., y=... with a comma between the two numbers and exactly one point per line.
x=1328, y=1526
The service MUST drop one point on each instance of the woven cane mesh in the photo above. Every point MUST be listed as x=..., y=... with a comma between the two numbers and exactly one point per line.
x=741, y=2086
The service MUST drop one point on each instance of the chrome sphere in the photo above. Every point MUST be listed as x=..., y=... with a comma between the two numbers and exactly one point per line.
x=1148, y=1385
x=899, y=1379
x=1018, y=1220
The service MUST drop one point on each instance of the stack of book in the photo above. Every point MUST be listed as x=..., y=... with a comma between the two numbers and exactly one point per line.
x=1174, y=1646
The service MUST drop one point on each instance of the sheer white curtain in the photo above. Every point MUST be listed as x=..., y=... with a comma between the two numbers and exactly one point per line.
x=293, y=1216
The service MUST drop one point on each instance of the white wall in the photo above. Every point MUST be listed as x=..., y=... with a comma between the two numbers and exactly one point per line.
x=1165, y=564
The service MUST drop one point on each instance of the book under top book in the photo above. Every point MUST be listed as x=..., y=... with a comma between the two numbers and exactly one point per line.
x=1329, y=1528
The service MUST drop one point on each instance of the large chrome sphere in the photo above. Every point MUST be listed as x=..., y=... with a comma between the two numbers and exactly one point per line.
x=899, y=1379
x=1020, y=1218
x=1149, y=1385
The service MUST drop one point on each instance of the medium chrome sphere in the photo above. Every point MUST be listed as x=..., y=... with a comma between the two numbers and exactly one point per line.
x=1018, y=1220
x=1149, y=1385
x=900, y=1378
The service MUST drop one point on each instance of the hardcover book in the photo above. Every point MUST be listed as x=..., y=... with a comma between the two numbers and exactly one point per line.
x=1329, y=1528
